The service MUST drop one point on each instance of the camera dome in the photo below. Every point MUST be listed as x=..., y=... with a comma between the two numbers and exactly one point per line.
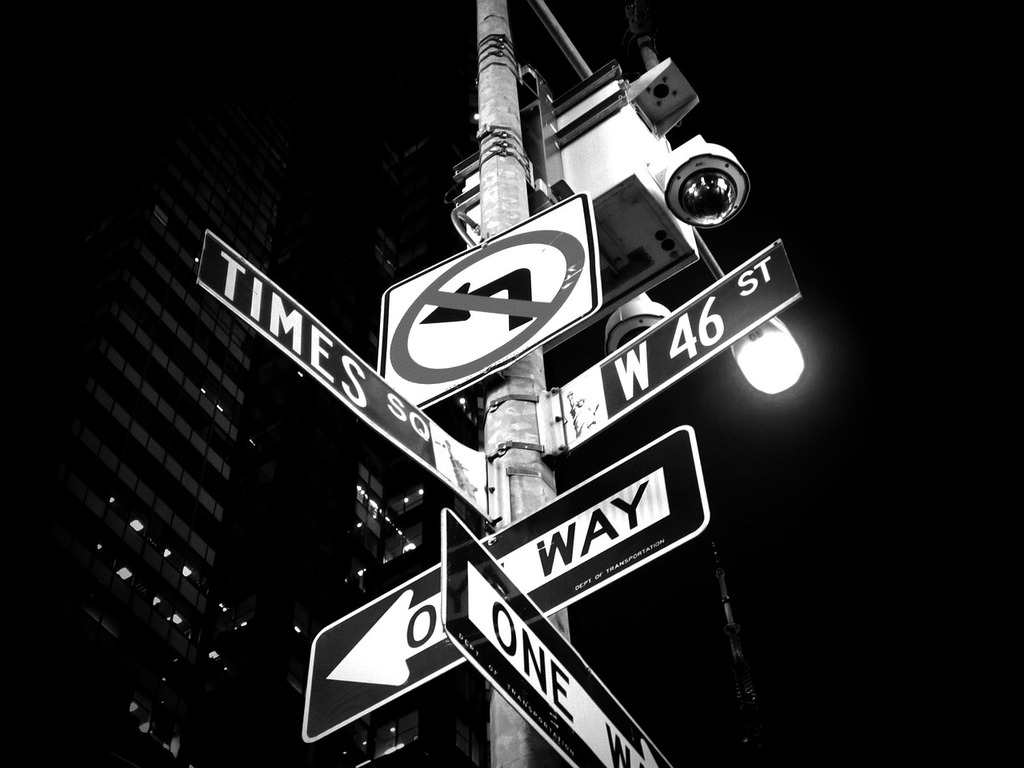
x=707, y=197
x=704, y=184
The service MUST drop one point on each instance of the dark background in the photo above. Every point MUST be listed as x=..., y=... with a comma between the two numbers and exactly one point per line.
x=811, y=491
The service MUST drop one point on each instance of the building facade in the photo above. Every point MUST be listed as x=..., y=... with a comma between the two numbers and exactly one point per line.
x=213, y=508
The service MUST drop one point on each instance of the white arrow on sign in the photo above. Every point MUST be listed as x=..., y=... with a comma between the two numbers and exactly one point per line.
x=382, y=656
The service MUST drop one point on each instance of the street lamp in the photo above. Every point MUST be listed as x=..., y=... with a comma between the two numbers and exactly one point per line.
x=769, y=357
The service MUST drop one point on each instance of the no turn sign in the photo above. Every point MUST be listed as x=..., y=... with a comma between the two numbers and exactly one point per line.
x=484, y=308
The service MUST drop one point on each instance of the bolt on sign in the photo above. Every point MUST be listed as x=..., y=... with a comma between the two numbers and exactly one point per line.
x=254, y=298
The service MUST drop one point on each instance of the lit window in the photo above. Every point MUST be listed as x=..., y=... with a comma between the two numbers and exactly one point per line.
x=399, y=733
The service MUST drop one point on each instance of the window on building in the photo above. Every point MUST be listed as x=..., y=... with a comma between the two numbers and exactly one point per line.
x=467, y=740
x=397, y=733
x=142, y=710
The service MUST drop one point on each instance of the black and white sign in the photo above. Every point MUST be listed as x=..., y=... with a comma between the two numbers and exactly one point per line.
x=375, y=654
x=292, y=329
x=708, y=324
x=484, y=308
x=638, y=509
x=504, y=634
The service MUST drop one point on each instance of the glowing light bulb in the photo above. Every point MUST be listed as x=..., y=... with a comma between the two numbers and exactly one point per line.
x=769, y=357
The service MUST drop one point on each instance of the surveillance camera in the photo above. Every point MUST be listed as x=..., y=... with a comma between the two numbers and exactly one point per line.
x=630, y=320
x=704, y=184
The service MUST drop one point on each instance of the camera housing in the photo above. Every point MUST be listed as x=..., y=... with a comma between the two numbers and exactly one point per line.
x=704, y=183
x=606, y=137
x=630, y=320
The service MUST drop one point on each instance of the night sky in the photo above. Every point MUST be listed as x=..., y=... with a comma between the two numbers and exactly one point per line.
x=802, y=486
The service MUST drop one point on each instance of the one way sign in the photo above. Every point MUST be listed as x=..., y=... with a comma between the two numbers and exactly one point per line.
x=484, y=308
x=636, y=510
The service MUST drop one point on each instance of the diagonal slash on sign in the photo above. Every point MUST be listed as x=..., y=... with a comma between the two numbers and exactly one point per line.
x=575, y=255
x=473, y=303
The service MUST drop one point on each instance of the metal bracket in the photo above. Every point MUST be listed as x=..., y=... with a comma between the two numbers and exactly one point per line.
x=528, y=472
x=496, y=402
x=503, y=448
x=592, y=117
x=503, y=141
x=585, y=88
x=551, y=423
x=497, y=50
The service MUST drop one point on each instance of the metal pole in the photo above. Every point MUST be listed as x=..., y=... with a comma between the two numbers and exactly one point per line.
x=565, y=45
x=707, y=257
x=520, y=481
x=642, y=26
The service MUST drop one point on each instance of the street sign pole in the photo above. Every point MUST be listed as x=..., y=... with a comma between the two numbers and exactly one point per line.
x=522, y=483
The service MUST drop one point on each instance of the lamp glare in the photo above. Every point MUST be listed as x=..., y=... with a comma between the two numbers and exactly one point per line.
x=769, y=357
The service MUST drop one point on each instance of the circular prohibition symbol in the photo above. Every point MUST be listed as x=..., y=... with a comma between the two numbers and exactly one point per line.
x=540, y=311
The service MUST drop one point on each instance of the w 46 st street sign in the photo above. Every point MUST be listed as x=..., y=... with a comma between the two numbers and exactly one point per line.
x=634, y=511
x=708, y=324
x=291, y=328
